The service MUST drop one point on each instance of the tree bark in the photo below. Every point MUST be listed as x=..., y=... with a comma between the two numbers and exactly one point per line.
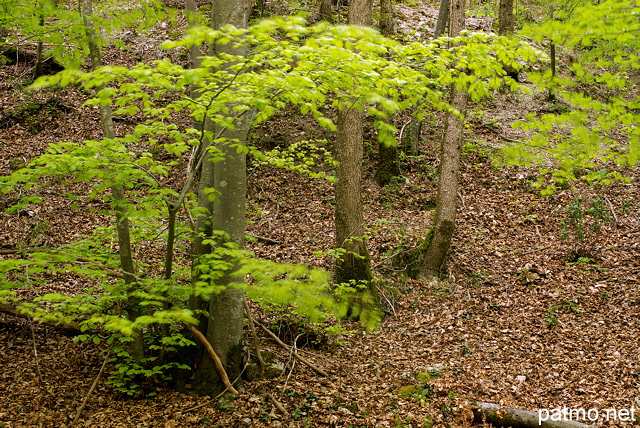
x=355, y=264
x=510, y=416
x=223, y=328
x=325, y=10
x=506, y=18
x=443, y=17
x=437, y=244
x=387, y=167
x=411, y=137
x=119, y=200
x=387, y=23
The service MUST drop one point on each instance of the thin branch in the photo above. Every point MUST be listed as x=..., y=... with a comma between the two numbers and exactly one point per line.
x=256, y=341
x=35, y=351
x=613, y=212
x=264, y=239
x=215, y=358
x=294, y=353
x=93, y=387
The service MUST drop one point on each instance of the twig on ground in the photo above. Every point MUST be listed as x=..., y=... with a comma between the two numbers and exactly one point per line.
x=215, y=358
x=93, y=387
x=294, y=353
x=276, y=403
x=264, y=239
x=35, y=351
x=613, y=212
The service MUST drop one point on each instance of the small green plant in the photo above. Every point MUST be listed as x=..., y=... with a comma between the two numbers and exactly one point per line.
x=577, y=225
x=552, y=316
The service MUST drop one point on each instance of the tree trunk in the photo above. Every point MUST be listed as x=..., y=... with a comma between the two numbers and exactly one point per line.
x=506, y=18
x=387, y=23
x=443, y=17
x=411, y=136
x=325, y=11
x=223, y=328
x=517, y=418
x=119, y=201
x=354, y=266
x=437, y=245
x=387, y=167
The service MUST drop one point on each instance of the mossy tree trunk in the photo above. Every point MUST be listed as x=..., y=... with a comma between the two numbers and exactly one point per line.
x=223, y=327
x=436, y=251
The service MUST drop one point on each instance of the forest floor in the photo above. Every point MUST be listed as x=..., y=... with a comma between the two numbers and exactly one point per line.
x=530, y=315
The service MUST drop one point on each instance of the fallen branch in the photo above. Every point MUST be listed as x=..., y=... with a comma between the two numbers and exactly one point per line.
x=69, y=327
x=264, y=239
x=93, y=387
x=276, y=403
x=256, y=341
x=293, y=352
x=517, y=418
x=215, y=358
x=613, y=212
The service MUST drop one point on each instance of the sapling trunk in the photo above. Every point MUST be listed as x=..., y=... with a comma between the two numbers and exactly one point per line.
x=119, y=200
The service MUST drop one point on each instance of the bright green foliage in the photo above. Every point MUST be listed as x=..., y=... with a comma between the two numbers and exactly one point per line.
x=290, y=63
x=60, y=28
x=598, y=118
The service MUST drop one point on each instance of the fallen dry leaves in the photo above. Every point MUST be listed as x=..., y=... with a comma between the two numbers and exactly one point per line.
x=526, y=318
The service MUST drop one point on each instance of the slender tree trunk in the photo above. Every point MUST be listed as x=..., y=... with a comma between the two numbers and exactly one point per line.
x=411, y=136
x=443, y=17
x=355, y=263
x=39, y=70
x=223, y=328
x=119, y=200
x=387, y=24
x=438, y=241
x=325, y=10
x=387, y=167
x=506, y=18
x=191, y=11
x=552, y=55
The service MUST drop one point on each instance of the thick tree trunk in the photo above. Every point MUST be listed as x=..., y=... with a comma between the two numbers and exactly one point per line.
x=506, y=19
x=223, y=328
x=119, y=201
x=325, y=10
x=443, y=17
x=355, y=263
x=437, y=245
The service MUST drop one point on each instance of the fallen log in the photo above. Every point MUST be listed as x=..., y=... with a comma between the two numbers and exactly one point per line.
x=68, y=327
x=505, y=416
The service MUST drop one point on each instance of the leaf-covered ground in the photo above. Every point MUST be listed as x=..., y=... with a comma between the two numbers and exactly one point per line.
x=531, y=316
